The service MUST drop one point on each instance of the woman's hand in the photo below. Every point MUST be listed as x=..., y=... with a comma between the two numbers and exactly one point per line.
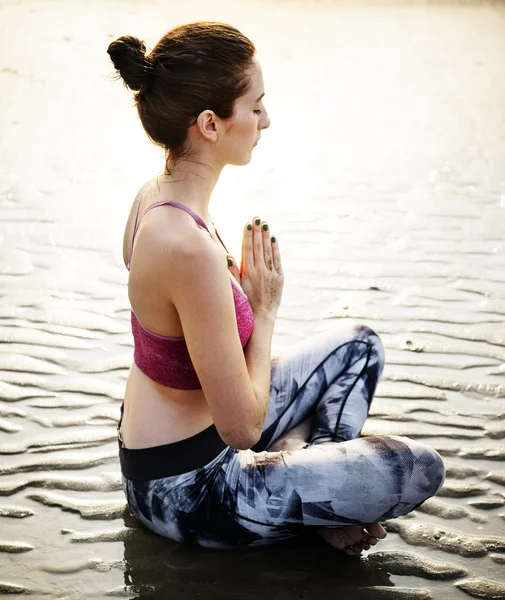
x=233, y=268
x=260, y=274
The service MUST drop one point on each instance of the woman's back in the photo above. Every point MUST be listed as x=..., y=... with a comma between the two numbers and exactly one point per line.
x=164, y=401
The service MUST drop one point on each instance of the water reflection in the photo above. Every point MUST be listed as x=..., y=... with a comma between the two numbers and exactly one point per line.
x=157, y=567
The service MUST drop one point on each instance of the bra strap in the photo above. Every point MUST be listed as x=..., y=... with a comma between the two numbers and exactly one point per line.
x=197, y=218
x=135, y=225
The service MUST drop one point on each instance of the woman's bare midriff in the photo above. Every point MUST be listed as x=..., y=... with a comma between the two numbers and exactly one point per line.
x=155, y=415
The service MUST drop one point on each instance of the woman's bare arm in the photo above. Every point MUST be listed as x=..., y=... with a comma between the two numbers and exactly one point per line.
x=200, y=289
x=258, y=360
x=235, y=383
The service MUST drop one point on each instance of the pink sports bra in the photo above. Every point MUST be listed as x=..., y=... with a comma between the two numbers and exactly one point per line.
x=166, y=360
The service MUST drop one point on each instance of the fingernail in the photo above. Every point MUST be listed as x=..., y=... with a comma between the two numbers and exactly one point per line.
x=273, y=239
x=230, y=262
x=265, y=227
x=249, y=226
x=258, y=221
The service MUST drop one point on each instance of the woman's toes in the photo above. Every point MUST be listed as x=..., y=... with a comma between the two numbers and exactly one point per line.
x=350, y=550
x=353, y=535
x=369, y=539
x=363, y=544
x=343, y=538
x=376, y=530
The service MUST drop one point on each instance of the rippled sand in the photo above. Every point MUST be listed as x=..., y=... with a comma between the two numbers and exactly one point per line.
x=383, y=176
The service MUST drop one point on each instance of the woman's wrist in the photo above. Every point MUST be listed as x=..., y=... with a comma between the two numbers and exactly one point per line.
x=265, y=316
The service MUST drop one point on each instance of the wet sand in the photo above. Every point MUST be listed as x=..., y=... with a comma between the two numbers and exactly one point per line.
x=383, y=176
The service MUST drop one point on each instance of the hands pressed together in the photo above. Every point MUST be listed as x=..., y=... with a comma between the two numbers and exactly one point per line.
x=260, y=274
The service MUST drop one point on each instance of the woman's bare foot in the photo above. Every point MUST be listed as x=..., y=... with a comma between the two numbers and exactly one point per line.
x=376, y=530
x=353, y=539
x=350, y=539
x=295, y=438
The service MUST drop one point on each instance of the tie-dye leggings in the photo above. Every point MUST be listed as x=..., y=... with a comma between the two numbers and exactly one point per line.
x=254, y=497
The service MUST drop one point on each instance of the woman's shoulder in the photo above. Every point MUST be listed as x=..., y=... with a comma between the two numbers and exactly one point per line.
x=152, y=222
x=169, y=243
x=181, y=265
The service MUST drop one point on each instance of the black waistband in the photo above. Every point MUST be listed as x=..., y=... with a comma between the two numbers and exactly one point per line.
x=170, y=459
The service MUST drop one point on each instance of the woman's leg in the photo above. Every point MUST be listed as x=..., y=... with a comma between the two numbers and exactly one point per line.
x=245, y=498
x=354, y=359
x=332, y=484
x=248, y=498
x=330, y=378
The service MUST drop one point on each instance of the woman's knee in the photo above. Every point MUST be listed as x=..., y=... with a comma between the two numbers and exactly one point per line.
x=349, y=332
x=419, y=473
x=370, y=337
x=428, y=473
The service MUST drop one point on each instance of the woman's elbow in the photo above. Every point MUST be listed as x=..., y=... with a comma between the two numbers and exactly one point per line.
x=241, y=440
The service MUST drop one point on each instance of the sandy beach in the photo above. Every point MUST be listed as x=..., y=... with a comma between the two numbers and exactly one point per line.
x=383, y=177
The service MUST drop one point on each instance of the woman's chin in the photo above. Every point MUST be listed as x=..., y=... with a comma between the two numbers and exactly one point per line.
x=245, y=160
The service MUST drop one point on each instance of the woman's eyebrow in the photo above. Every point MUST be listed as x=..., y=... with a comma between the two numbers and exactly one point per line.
x=260, y=97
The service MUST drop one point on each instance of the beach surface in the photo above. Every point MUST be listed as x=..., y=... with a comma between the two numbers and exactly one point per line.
x=383, y=177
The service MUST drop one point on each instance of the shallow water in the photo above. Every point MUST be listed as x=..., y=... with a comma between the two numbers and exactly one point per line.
x=383, y=176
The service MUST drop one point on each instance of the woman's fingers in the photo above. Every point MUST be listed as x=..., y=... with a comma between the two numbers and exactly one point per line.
x=259, y=248
x=267, y=246
x=276, y=253
x=233, y=267
x=260, y=273
x=257, y=242
x=247, y=248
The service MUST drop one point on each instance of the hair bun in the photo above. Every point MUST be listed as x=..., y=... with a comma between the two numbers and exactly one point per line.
x=128, y=54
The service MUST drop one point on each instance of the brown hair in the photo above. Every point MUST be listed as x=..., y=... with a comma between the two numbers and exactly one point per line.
x=192, y=68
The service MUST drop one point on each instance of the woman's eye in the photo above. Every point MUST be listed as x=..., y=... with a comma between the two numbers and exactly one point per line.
x=258, y=112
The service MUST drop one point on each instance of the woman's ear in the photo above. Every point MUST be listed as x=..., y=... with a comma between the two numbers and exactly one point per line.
x=207, y=125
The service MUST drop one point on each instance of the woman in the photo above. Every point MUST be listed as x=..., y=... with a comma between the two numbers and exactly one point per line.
x=220, y=445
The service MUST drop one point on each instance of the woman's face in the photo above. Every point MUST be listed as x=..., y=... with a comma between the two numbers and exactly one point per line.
x=249, y=119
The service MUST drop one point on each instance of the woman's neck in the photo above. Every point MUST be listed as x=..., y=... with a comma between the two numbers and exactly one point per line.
x=191, y=183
